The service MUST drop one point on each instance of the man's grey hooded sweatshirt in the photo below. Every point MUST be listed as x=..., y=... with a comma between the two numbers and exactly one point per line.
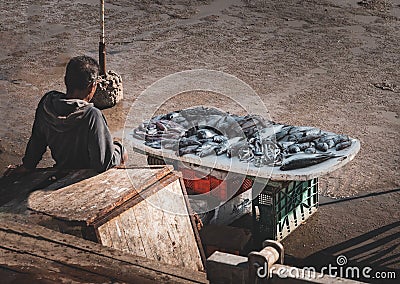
x=76, y=133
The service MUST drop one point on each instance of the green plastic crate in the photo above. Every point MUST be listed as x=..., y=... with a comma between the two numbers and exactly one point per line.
x=282, y=206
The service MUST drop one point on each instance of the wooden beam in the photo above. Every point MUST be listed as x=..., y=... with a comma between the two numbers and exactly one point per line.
x=45, y=254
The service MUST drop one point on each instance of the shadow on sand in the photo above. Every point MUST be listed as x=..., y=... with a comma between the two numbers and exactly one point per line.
x=377, y=249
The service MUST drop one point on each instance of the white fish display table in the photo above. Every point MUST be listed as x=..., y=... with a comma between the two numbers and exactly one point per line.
x=283, y=162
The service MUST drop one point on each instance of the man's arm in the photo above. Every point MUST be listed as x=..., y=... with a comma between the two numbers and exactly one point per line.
x=36, y=146
x=104, y=153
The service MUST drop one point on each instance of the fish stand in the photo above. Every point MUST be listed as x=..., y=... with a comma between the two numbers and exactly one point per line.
x=284, y=188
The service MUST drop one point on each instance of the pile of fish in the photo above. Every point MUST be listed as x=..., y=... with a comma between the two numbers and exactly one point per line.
x=208, y=131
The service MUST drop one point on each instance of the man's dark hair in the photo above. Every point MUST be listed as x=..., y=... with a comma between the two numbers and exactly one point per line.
x=80, y=73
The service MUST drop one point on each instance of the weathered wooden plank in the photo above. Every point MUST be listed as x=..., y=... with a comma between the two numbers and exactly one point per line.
x=195, y=226
x=163, y=182
x=98, y=195
x=149, y=229
x=159, y=228
x=176, y=216
x=105, y=236
x=34, y=268
x=170, y=239
x=131, y=231
x=49, y=251
x=46, y=245
x=114, y=233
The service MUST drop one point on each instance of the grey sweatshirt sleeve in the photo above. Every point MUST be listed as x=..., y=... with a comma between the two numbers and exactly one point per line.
x=36, y=146
x=103, y=152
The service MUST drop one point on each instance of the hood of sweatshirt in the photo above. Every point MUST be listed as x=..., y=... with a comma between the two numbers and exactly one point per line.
x=63, y=114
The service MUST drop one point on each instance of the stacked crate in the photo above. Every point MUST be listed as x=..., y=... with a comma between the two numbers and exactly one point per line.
x=283, y=206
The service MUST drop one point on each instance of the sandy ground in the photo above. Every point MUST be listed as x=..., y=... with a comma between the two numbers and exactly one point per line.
x=317, y=63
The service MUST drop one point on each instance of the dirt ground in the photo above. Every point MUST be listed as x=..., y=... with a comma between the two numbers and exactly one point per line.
x=328, y=63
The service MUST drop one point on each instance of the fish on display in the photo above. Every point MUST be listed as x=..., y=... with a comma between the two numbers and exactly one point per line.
x=283, y=132
x=139, y=134
x=229, y=127
x=272, y=153
x=309, y=138
x=325, y=137
x=294, y=148
x=296, y=129
x=153, y=144
x=313, y=131
x=206, y=149
x=191, y=149
x=295, y=137
x=305, y=145
x=219, y=138
x=305, y=160
x=341, y=138
x=222, y=148
x=270, y=131
x=171, y=115
x=235, y=146
x=209, y=131
x=310, y=150
x=246, y=154
x=171, y=144
x=342, y=145
x=205, y=133
x=187, y=141
x=322, y=146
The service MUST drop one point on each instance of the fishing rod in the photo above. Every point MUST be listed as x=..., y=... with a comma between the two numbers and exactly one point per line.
x=102, y=44
x=109, y=89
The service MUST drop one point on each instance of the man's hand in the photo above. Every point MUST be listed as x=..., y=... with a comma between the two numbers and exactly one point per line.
x=124, y=154
x=124, y=157
x=13, y=170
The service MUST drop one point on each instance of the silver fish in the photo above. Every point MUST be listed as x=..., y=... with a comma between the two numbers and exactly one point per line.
x=170, y=144
x=235, y=146
x=322, y=146
x=219, y=138
x=295, y=129
x=269, y=132
x=313, y=131
x=325, y=137
x=305, y=145
x=187, y=150
x=222, y=148
x=153, y=144
x=294, y=137
x=294, y=148
x=205, y=133
x=341, y=138
x=183, y=142
x=305, y=160
x=245, y=154
x=342, y=145
x=309, y=138
x=283, y=132
x=207, y=149
x=310, y=150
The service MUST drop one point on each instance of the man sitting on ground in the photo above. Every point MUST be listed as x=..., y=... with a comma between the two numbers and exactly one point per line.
x=75, y=131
